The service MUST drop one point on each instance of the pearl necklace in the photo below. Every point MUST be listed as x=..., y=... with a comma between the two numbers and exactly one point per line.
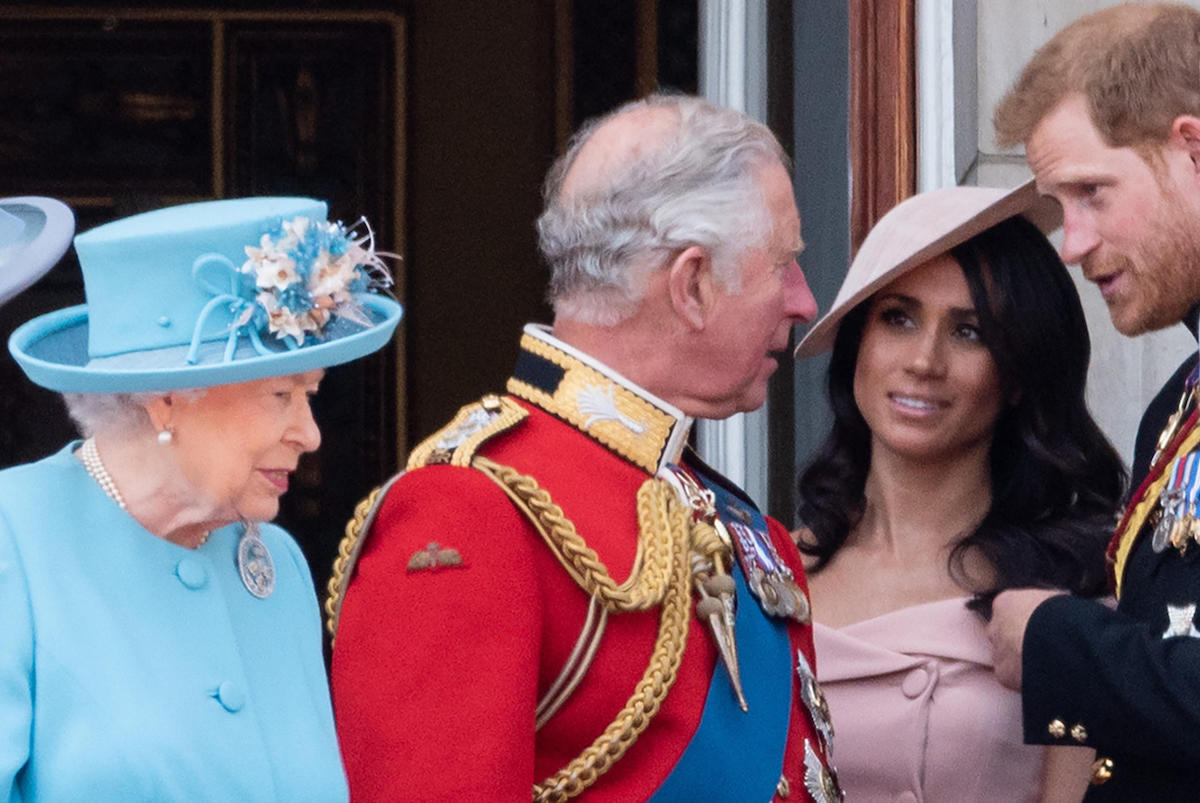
x=90, y=456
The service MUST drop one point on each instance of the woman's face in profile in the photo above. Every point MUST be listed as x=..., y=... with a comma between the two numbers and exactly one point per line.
x=237, y=445
x=924, y=381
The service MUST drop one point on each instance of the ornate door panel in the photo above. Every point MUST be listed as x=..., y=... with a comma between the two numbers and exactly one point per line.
x=133, y=109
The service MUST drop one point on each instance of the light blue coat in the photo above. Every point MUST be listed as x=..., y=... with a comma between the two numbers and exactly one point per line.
x=132, y=669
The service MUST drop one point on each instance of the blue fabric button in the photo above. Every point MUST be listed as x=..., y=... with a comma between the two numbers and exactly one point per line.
x=231, y=697
x=191, y=573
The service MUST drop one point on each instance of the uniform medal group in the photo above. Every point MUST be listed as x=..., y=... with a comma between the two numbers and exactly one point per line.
x=1179, y=502
x=1179, y=506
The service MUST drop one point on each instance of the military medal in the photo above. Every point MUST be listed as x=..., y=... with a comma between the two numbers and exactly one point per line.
x=818, y=780
x=1176, y=420
x=254, y=563
x=1180, y=532
x=1179, y=503
x=814, y=701
x=768, y=577
x=1167, y=502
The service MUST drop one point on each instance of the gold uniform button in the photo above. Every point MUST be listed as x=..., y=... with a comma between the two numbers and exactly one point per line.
x=783, y=788
x=1079, y=733
x=1102, y=770
x=1057, y=728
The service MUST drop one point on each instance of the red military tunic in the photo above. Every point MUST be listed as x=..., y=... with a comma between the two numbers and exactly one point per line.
x=438, y=669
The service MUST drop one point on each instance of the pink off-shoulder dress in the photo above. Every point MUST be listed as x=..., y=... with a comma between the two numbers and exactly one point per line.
x=918, y=714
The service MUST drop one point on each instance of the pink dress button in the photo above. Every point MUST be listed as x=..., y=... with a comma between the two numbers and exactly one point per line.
x=914, y=683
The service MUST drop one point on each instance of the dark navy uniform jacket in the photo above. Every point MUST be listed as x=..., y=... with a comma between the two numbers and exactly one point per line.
x=1109, y=679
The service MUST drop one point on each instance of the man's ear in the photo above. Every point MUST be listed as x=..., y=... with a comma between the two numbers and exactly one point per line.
x=691, y=285
x=1185, y=133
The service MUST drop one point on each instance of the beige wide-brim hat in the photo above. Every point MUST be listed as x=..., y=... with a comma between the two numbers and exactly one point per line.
x=918, y=229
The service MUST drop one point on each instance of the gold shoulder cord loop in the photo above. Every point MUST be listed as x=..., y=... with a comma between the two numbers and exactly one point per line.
x=643, y=589
x=453, y=445
x=662, y=574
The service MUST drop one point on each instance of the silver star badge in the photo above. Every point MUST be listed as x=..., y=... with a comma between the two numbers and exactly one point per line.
x=1180, y=618
x=818, y=780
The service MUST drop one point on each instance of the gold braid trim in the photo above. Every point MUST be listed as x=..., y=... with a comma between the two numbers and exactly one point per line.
x=708, y=547
x=664, y=539
x=344, y=562
x=604, y=408
x=453, y=444
x=658, y=511
x=661, y=575
x=644, y=588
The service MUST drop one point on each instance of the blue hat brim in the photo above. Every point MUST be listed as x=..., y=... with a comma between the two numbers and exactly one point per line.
x=45, y=227
x=52, y=350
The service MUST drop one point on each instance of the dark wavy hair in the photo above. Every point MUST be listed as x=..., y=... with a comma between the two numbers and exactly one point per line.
x=1056, y=480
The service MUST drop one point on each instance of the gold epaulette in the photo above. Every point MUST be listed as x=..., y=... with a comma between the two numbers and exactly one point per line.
x=454, y=444
x=661, y=577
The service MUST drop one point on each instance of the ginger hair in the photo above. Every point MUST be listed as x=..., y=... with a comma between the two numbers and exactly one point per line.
x=1137, y=65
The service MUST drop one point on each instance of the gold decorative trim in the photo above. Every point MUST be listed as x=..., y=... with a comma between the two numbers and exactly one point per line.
x=664, y=532
x=649, y=580
x=456, y=443
x=343, y=565
x=1137, y=517
x=669, y=543
x=1102, y=771
x=661, y=575
x=613, y=415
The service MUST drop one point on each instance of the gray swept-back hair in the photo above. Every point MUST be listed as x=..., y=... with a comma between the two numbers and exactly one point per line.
x=699, y=186
x=121, y=414
x=116, y=413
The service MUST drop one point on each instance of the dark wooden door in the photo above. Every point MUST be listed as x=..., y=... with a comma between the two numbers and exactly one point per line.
x=154, y=106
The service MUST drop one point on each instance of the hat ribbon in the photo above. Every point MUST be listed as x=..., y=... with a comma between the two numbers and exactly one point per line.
x=240, y=308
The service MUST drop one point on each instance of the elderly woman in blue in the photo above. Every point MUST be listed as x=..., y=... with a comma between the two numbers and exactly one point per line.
x=158, y=640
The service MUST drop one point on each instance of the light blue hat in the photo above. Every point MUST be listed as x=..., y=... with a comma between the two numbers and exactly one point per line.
x=34, y=234
x=210, y=294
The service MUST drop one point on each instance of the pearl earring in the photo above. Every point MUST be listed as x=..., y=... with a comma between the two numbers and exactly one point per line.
x=165, y=437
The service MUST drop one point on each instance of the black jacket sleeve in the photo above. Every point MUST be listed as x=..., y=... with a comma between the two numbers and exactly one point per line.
x=1131, y=690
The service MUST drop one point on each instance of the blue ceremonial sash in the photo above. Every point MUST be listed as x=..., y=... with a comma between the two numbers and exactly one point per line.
x=736, y=755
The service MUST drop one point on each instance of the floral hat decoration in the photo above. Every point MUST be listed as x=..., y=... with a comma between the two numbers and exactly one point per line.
x=213, y=293
x=34, y=234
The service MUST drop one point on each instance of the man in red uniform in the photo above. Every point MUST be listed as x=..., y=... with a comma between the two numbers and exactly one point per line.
x=557, y=598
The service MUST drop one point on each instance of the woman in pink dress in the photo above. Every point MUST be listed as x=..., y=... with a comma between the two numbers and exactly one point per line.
x=962, y=461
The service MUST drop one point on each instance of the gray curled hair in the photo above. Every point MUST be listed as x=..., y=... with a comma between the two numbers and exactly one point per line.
x=697, y=187
x=115, y=413
x=121, y=414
